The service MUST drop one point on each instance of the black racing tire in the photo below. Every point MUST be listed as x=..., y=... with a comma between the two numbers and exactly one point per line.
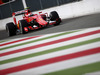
x=53, y=15
x=11, y=29
x=22, y=24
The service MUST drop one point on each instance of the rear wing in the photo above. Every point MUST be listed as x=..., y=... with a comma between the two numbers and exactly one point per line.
x=18, y=13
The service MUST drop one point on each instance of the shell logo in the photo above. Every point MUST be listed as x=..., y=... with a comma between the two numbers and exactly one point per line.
x=29, y=19
x=40, y=19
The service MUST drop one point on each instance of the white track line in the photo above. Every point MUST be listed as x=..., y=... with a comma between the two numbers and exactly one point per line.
x=48, y=47
x=88, y=30
x=93, y=73
x=50, y=55
x=32, y=39
x=9, y=40
x=48, y=40
x=60, y=65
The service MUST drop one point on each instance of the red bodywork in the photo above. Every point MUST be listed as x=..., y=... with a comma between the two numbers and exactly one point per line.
x=37, y=17
x=26, y=17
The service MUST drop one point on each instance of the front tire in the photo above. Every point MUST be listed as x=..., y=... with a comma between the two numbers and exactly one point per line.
x=55, y=17
x=22, y=25
x=11, y=29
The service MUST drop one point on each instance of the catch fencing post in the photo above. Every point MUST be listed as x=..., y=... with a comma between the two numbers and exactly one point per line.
x=24, y=4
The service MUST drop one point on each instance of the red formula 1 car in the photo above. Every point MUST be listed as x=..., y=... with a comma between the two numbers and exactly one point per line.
x=31, y=21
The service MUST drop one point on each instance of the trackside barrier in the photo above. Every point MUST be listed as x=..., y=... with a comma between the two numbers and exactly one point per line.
x=84, y=7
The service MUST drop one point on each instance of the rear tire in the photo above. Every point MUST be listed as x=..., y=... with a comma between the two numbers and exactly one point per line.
x=11, y=29
x=55, y=17
x=22, y=24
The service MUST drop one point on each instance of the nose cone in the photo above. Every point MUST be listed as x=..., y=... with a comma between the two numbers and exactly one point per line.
x=44, y=23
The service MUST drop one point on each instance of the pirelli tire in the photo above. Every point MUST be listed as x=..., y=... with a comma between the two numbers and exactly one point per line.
x=11, y=29
x=22, y=24
x=54, y=16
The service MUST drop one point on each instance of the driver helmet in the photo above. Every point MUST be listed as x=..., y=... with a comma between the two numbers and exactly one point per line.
x=27, y=11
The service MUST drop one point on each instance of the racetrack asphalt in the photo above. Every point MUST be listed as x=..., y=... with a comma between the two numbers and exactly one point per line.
x=66, y=25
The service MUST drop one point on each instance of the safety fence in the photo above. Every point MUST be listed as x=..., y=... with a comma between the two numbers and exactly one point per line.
x=17, y=5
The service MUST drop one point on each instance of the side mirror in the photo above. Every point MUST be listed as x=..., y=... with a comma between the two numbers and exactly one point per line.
x=40, y=12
